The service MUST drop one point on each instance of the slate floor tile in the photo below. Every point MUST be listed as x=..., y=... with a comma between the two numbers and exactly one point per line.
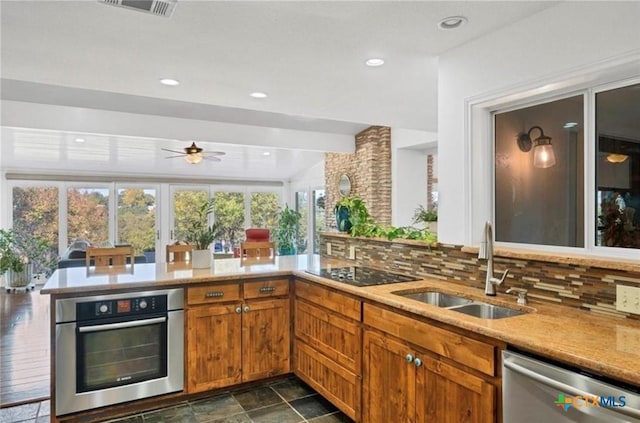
x=280, y=413
x=216, y=408
x=313, y=406
x=179, y=414
x=338, y=417
x=238, y=418
x=257, y=398
x=291, y=389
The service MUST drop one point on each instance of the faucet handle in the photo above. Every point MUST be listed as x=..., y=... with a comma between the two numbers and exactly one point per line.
x=521, y=293
x=496, y=281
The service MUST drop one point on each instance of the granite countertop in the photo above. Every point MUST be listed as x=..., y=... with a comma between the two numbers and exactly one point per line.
x=608, y=346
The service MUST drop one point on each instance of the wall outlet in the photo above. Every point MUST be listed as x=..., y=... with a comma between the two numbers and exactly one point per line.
x=352, y=252
x=628, y=299
x=328, y=248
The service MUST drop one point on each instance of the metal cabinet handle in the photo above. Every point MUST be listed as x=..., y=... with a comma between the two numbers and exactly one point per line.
x=409, y=358
x=214, y=294
x=267, y=289
x=246, y=309
x=238, y=310
x=418, y=362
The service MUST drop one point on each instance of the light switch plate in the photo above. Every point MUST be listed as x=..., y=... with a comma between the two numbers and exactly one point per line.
x=628, y=299
x=328, y=248
x=352, y=252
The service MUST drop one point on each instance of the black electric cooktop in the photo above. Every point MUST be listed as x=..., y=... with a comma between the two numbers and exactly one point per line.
x=361, y=276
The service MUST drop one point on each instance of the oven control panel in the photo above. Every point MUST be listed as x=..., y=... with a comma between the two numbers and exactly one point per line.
x=121, y=307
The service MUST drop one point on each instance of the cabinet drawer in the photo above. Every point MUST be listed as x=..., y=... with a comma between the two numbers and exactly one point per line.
x=329, y=333
x=347, y=306
x=267, y=288
x=213, y=293
x=334, y=382
x=476, y=354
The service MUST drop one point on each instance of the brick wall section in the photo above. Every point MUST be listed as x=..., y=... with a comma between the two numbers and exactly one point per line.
x=583, y=287
x=369, y=169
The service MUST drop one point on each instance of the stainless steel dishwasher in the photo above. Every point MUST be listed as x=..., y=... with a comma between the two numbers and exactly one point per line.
x=535, y=391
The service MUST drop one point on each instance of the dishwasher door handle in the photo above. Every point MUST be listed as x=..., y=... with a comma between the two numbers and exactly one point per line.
x=561, y=386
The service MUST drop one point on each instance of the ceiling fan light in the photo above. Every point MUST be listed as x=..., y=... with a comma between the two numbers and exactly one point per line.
x=193, y=158
x=617, y=158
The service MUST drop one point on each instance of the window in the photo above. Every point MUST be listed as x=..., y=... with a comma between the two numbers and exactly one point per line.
x=302, y=207
x=533, y=204
x=561, y=180
x=186, y=203
x=318, y=218
x=229, y=214
x=137, y=218
x=88, y=214
x=264, y=210
x=618, y=167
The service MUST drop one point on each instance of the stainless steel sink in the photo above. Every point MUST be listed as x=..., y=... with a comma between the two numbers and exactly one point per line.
x=486, y=311
x=435, y=298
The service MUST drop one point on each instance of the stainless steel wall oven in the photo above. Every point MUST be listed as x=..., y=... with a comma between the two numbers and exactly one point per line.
x=120, y=347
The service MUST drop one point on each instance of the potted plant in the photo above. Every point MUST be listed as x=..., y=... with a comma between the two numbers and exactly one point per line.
x=13, y=263
x=351, y=211
x=285, y=233
x=202, y=235
x=427, y=216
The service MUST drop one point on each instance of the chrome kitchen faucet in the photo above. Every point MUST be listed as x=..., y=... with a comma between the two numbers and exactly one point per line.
x=486, y=252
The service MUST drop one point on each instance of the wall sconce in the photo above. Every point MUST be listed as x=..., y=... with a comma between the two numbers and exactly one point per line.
x=543, y=156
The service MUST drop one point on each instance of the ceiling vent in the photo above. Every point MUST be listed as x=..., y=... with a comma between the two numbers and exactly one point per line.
x=155, y=7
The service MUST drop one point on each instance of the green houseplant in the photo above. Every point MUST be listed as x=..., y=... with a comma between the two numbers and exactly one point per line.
x=351, y=211
x=285, y=234
x=202, y=235
x=21, y=254
x=422, y=215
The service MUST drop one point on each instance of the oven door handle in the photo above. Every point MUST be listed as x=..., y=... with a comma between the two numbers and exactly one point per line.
x=122, y=325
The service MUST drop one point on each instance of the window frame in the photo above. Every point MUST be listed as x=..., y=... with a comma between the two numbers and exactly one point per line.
x=479, y=150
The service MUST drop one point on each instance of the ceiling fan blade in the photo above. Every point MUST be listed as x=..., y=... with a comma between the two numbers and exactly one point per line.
x=213, y=153
x=172, y=151
x=173, y=157
x=212, y=159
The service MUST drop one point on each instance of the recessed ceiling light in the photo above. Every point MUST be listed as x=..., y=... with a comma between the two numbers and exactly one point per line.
x=374, y=62
x=452, y=22
x=170, y=82
x=79, y=140
x=266, y=153
x=258, y=94
x=570, y=125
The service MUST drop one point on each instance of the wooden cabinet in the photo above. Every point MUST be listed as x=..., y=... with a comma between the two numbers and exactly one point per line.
x=237, y=333
x=328, y=339
x=410, y=381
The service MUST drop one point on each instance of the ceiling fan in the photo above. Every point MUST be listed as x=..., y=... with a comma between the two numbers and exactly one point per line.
x=194, y=154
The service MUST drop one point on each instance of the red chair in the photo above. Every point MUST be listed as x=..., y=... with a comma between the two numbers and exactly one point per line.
x=257, y=235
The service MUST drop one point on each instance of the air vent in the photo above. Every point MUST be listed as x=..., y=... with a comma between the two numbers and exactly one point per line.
x=155, y=7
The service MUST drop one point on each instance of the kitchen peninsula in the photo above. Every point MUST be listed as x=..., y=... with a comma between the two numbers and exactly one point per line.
x=304, y=316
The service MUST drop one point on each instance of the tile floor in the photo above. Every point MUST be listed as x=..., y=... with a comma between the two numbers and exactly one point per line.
x=283, y=401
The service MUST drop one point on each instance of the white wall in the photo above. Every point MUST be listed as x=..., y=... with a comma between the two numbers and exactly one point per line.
x=409, y=150
x=558, y=47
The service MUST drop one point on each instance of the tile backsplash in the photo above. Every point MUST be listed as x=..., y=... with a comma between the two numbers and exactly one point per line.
x=583, y=286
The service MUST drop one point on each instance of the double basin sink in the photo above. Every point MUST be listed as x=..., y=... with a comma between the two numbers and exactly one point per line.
x=461, y=304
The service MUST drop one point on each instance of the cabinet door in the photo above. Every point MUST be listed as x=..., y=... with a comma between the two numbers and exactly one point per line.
x=213, y=347
x=389, y=381
x=266, y=339
x=446, y=394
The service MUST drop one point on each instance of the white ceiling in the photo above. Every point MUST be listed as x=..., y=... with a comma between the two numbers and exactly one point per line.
x=307, y=55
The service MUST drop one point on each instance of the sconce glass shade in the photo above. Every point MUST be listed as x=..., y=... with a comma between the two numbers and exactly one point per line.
x=617, y=158
x=193, y=158
x=543, y=156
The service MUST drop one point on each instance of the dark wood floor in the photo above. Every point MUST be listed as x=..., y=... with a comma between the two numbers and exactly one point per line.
x=24, y=347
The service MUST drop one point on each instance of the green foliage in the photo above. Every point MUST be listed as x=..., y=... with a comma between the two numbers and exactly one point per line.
x=17, y=251
x=264, y=210
x=359, y=216
x=229, y=214
x=137, y=219
x=185, y=207
x=88, y=214
x=422, y=215
x=200, y=232
x=285, y=235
